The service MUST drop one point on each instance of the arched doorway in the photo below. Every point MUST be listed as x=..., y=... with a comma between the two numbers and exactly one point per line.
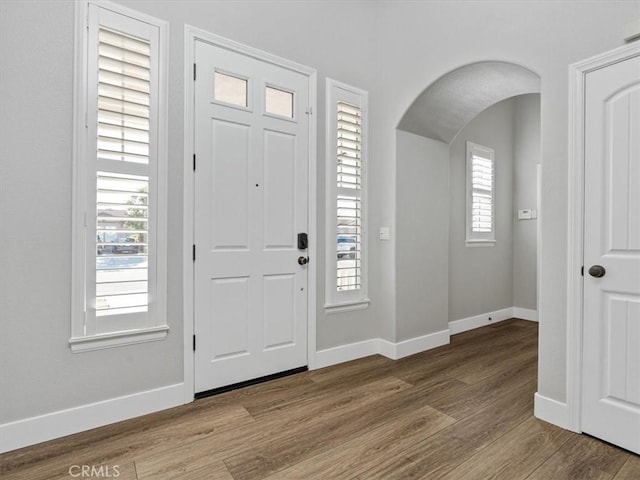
x=428, y=143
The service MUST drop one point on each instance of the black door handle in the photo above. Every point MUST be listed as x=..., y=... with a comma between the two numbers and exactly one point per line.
x=597, y=271
x=303, y=260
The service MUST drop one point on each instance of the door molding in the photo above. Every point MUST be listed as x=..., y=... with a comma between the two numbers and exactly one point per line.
x=191, y=35
x=575, y=280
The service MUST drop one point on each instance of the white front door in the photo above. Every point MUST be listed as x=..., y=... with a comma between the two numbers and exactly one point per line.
x=251, y=202
x=611, y=343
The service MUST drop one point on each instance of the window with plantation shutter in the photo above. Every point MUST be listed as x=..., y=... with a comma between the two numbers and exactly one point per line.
x=119, y=175
x=346, y=196
x=480, y=195
x=124, y=84
x=348, y=203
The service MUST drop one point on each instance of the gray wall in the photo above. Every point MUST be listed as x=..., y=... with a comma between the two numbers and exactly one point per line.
x=431, y=220
x=481, y=278
x=418, y=42
x=39, y=374
x=396, y=49
x=526, y=156
x=422, y=245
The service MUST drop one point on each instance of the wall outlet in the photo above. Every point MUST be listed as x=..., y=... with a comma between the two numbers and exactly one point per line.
x=384, y=233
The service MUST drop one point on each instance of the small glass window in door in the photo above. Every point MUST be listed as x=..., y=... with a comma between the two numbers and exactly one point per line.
x=279, y=102
x=230, y=89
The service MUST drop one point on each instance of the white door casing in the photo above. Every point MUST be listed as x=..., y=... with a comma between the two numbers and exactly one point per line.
x=251, y=199
x=611, y=303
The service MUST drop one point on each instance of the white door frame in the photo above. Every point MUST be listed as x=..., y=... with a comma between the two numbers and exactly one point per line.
x=191, y=35
x=577, y=76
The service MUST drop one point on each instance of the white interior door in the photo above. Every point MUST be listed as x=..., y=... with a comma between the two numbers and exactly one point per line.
x=251, y=201
x=611, y=343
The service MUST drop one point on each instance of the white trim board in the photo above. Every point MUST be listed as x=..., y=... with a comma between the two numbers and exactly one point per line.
x=552, y=411
x=30, y=431
x=484, y=319
x=525, y=314
x=414, y=345
x=394, y=351
x=375, y=346
x=346, y=353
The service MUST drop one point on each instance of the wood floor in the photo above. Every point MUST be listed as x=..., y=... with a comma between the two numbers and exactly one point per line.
x=463, y=411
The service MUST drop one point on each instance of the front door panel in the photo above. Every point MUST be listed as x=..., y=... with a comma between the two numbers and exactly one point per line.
x=251, y=201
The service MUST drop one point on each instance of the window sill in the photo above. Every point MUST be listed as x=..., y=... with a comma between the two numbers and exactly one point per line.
x=117, y=339
x=347, y=306
x=480, y=243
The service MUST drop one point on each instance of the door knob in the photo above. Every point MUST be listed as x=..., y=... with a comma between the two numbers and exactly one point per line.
x=597, y=271
x=303, y=260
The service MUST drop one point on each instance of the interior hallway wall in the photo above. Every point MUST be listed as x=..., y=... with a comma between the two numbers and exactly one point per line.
x=526, y=155
x=481, y=277
x=422, y=245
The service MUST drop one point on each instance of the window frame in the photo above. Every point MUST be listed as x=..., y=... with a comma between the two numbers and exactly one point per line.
x=88, y=331
x=357, y=299
x=479, y=239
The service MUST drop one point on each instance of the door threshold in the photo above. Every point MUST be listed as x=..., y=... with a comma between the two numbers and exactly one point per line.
x=248, y=383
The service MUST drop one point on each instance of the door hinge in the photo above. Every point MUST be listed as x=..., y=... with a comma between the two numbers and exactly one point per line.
x=194, y=162
x=194, y=343
x=309, y=111
x=582, y=270
x=194, y=72
x=194, y=253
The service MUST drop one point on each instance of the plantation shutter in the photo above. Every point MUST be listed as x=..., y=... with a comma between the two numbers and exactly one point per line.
x=124, y=83
x=482, y=187
x=119, y=170
x=349, y=202
x=122, y=165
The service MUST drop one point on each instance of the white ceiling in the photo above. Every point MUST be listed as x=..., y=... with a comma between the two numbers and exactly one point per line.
x=449, y=103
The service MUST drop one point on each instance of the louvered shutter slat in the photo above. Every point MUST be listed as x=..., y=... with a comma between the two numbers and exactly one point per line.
x=122, y=209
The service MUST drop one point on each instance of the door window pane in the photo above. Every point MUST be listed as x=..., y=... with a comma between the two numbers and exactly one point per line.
x=230, y=89
x=279, y=102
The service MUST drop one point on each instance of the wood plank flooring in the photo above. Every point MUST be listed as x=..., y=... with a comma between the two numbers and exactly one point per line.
x=462, y=411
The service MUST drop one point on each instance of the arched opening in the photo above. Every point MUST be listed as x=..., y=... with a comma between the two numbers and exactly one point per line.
x=452, y=101
x=443, y=278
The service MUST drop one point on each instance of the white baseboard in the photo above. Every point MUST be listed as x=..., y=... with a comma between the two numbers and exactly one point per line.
x=346, y=353
x=374, y=346
x=30, y=431
x=477, y=321
x=413, y=345
x=525, y=314
x=353, y=351
x=552, y=411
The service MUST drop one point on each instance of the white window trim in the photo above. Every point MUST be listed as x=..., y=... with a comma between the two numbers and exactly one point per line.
x=477, y=239
x=338, y=302
x=156, y=328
